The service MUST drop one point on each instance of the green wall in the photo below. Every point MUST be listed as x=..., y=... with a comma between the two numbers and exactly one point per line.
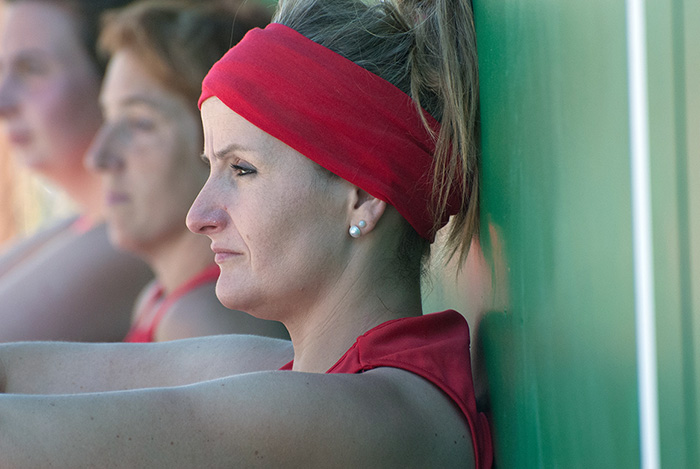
x=557, y=203
x=555, y=266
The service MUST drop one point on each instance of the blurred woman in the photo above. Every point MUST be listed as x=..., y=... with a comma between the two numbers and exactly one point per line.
x=328, y=182
x=148, y=154
x=52, y=283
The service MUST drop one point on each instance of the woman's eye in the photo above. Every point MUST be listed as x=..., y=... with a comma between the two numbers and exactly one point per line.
x=142, y=124
x=242, y=170
x=31, y=68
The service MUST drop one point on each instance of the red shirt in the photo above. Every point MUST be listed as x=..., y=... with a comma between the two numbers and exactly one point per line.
x=433, y=346
x=148, y=318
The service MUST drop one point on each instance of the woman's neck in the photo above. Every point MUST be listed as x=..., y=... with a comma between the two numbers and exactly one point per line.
x=176, y=260
x=324, y=335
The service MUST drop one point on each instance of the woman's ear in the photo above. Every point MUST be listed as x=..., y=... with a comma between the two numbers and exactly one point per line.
x=365, y=211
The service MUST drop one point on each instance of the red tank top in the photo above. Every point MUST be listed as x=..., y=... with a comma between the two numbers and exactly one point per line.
x=157, y=305
x=433, y=346
x=82, y=224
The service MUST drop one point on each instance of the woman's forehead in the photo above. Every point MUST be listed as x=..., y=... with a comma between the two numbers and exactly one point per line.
x=228, y=134
x=39, y=26
x=223, y=129
x=213, y=107
x=129, y=82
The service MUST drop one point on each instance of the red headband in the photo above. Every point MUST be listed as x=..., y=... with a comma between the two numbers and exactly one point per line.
x=334, y=112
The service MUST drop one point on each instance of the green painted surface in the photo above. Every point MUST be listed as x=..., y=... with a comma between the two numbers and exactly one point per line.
x=674, y=82
x=556, y=189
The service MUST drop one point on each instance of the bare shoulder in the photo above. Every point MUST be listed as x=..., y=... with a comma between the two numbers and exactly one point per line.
x=21, y=249
x=88, y=290
x=383, y=418
x=200, y=313
x=427, y=427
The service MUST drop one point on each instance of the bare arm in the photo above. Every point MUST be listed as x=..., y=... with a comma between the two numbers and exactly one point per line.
x=383, y=418
x=63, y=367
x=80, y=288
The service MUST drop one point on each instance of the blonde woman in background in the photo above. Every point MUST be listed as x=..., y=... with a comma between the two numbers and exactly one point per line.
x=148, y=155
x=65, y=281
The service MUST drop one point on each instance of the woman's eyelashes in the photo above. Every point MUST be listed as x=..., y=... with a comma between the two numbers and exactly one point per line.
x=141, y=124
x=31, y=67
x=241, y=170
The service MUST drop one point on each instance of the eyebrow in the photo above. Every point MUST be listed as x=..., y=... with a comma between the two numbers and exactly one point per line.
x=32, y=53
x=226, y=151
x=139, y=100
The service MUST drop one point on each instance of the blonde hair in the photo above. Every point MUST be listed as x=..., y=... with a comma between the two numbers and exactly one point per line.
x=428, y=50
x=179, y=41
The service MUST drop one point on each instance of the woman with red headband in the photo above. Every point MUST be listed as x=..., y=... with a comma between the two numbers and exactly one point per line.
x=340, y=139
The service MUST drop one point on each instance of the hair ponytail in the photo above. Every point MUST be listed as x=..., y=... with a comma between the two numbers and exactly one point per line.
x=426, y=48
x=444, y=67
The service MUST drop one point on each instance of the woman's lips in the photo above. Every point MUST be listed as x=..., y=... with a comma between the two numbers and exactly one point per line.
x=18, y=138
x=115, y=198
x=222, y=254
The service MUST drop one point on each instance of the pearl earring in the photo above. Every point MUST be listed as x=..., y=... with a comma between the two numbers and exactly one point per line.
x=355, y=229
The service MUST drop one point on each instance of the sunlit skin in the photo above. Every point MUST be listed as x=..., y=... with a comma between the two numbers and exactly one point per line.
x=272, y=217
x=279, y=228
x=147, y=153
x=48, y=93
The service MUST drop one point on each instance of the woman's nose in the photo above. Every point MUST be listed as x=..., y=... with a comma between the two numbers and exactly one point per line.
x=206, y=216
x=8, y=96
x=103, y=155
